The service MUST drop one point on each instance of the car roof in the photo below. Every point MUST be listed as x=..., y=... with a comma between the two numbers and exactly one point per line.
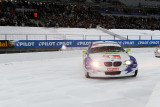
x=105, y=43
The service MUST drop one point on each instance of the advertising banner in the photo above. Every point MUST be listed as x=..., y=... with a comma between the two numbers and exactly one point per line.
x=6, y=44
x=78, y=43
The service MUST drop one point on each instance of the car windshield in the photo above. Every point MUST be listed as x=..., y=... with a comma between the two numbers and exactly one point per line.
x=107, y=49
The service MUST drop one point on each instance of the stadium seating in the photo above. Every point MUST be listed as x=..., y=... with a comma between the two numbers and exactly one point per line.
x=79, y=14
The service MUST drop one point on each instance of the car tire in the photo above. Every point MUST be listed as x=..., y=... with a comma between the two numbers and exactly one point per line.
x=135, y=74
x=87, y=74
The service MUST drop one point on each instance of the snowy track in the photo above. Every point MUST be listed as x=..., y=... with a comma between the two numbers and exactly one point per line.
x=56, y=79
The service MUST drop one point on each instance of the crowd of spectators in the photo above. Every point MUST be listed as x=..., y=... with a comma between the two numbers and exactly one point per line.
x=10, y=17
x=73, y=16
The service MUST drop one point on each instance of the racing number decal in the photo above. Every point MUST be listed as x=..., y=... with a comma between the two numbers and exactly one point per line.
x=112, y=56
x=112, y=69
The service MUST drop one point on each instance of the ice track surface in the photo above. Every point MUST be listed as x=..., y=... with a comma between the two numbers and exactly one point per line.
x=56, y=79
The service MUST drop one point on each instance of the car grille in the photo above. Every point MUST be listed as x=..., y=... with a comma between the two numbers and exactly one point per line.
x=108, y=64
x=116, y=64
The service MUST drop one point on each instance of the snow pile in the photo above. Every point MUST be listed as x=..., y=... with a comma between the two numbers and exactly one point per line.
x=40, y=33
x=134, y=34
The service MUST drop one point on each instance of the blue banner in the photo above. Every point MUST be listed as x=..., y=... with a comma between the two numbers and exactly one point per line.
x=79, y=43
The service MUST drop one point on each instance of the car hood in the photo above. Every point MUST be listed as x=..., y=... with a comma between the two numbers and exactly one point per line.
x=110, y=56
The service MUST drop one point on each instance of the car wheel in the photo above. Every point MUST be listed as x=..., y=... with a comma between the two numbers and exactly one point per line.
x=87, y=74
x=135, y=74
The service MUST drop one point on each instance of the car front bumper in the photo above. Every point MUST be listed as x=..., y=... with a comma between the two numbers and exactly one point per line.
x=111, y=73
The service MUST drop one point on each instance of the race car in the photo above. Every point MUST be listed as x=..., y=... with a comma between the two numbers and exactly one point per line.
x=157, y=51
x=108, y=59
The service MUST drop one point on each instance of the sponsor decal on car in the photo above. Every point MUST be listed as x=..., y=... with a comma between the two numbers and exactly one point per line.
x=94, y=45
x=112, y=69
x=112, y=56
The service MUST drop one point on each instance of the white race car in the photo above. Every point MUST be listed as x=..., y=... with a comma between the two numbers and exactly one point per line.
x=157, y=51
x=108, y=59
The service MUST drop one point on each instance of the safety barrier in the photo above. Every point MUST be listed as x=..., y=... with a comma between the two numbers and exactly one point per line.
x=109, y=36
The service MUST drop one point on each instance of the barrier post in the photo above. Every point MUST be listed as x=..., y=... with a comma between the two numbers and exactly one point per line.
x=5, y=37
x=127, y=37
x=139, y=37
x=99, y=37
x=64, y=37
x=151, y=37
x=46, y=37
x=26, y=37
x=114, y=37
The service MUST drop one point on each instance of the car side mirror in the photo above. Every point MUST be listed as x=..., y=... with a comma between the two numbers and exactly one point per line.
x=128, y=50
x=85, y=52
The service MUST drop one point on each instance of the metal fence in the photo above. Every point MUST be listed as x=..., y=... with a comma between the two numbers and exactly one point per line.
x=74, y=37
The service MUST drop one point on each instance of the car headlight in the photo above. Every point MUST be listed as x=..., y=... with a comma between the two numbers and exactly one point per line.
x=96, y=64
x=128, y=62
x=158, y=50
x=63, y=47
